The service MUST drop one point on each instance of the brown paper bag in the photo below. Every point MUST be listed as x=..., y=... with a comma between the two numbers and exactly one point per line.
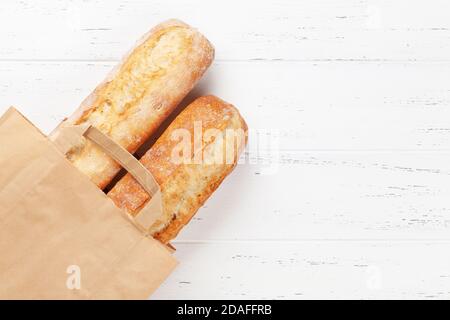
x=60, y=236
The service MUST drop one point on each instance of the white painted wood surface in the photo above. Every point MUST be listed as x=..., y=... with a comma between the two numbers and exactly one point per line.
x=354, y=201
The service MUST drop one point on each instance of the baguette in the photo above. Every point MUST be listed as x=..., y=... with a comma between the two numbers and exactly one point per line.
x=186, y=185
x=139, y=94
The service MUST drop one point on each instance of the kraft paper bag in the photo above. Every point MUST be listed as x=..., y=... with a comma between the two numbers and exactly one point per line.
x=60, y=236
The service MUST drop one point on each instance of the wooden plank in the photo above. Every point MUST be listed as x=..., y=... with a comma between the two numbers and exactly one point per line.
x=330, y=196
x=294, y=106
x=310, y=270
x=288, y=29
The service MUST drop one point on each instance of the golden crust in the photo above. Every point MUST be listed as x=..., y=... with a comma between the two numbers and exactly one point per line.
x=139, y=94
x=185, y=186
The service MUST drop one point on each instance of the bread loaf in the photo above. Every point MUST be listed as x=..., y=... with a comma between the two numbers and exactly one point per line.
x=139, y=94
x=188, y=167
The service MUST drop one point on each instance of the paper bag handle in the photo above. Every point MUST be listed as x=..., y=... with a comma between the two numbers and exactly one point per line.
x=69, y=136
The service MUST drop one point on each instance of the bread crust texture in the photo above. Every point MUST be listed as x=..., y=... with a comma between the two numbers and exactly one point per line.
x=187, y=184
x=139, y=94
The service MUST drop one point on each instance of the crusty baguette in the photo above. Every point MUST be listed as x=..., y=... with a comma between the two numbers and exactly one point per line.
x=186, y=185
x=139, y=94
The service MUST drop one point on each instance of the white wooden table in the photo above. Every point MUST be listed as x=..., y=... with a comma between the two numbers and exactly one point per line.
x=354, y=199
